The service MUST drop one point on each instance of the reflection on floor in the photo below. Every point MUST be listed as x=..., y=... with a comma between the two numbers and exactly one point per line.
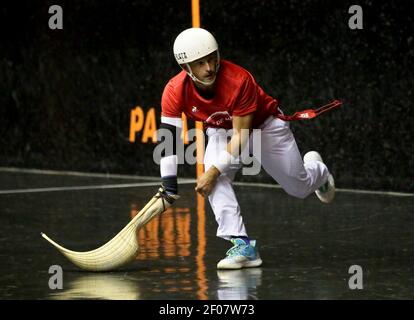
x=307, y=247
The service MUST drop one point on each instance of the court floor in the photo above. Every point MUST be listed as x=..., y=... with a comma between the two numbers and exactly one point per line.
x=307, y=247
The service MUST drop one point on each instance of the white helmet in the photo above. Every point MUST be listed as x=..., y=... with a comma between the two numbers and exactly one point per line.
x=193, y=44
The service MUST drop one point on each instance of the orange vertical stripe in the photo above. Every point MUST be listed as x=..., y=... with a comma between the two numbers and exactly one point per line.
x=184, y=132
x=201, y=213
x=195, y=10
x=168, y=234
x=201, y=249
x=200, y=148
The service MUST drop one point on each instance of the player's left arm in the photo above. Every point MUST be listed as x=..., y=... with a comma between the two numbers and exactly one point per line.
x=241, y=130
x=239, y=139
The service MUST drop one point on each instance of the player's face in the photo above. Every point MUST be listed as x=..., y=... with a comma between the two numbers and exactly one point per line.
x=205, y=69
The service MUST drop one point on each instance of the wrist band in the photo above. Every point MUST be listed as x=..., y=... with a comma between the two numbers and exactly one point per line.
x=170, y=184
x=168, y=166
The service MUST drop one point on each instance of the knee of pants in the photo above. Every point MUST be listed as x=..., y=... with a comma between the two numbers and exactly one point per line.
x=221, y=199
x=226, y=214
x=224, y=182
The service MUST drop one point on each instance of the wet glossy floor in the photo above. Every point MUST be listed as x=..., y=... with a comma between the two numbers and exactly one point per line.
x=307, y=247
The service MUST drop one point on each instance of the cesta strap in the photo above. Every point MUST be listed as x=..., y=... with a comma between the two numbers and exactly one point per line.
x=310, y=113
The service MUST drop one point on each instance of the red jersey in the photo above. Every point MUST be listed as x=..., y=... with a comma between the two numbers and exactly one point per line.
x=236, y=94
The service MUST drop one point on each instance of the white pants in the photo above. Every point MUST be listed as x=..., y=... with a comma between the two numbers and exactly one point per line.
x=280, y=158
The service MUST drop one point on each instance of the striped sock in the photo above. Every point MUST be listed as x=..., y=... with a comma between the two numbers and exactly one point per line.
x=245, y=239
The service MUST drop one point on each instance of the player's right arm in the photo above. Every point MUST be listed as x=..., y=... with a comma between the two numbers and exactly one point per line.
x=170, y=131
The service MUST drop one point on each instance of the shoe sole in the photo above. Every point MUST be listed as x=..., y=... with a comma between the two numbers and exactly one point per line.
x=325, y=197
x=328, y=196
x=239, y=265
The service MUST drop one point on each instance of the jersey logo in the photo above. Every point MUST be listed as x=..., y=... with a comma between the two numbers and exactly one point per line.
x=218, y=118
x=194, y=109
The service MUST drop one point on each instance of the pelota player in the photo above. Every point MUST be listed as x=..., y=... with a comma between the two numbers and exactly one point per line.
x=223, y=95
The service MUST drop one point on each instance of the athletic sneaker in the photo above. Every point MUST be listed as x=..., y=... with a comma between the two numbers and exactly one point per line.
x=325, y=193
x=241, y=255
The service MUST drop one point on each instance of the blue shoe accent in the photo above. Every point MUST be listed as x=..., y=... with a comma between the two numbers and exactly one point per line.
x=245, y=239
x=241, y=255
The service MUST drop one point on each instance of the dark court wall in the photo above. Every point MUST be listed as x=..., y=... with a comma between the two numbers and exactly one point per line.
x=67, y=95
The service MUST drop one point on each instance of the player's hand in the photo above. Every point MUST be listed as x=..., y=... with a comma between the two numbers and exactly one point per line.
x=207, y=181
x=170, y=197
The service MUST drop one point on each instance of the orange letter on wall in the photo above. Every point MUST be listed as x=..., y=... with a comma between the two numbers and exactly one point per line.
x=150, y=127
x=137, y=121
